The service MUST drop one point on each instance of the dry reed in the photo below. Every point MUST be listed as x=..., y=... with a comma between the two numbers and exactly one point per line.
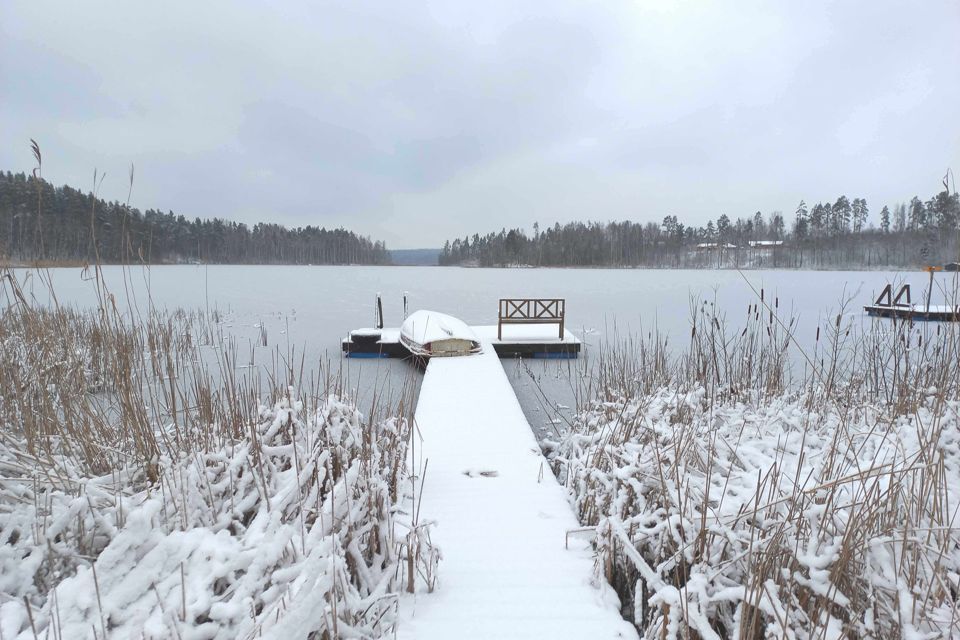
x=125, y=434
x=745, y=490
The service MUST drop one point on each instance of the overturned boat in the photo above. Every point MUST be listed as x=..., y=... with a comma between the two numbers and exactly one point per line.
x=429, y=334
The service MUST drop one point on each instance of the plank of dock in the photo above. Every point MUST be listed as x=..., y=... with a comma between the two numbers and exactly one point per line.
x=501, y=520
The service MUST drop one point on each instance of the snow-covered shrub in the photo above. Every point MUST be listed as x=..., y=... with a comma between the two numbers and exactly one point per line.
x=288, y=532
x=730, y=504
x=144, y=493
x=745, y=522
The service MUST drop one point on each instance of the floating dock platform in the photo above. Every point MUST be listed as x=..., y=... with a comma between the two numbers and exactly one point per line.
x=515, y=564
x=900, y=306
x=940, y=313
x=518, y=341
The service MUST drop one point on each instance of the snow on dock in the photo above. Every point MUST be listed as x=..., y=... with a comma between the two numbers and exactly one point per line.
x=524, y=341
x=501, y=519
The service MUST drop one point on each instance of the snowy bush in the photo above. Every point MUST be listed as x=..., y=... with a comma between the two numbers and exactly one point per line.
x=287, y=532
x=730, y=499
x=145, y=494
x=771, y=521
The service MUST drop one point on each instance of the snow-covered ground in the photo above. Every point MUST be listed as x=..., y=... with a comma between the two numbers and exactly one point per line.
x=501, y=520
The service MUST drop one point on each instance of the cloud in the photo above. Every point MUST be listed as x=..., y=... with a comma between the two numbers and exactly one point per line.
x=422, y=121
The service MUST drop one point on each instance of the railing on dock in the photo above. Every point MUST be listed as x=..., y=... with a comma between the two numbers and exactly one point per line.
x=887, y=299
x=531, y=311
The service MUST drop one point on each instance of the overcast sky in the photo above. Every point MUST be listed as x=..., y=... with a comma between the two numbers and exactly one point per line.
x=416, y=122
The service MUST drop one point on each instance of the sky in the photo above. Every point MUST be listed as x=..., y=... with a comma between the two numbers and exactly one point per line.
x=417, y=122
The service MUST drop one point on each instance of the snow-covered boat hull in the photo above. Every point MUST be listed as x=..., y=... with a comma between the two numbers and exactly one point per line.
x=430, y=334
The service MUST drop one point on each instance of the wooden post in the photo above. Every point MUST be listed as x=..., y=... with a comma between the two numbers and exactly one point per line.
x=500, y=320
x=886, y=294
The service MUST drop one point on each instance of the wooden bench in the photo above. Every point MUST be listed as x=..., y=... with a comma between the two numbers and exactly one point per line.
x=530, y=311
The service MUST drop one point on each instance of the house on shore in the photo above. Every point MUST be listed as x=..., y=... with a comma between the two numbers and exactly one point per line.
x=705, y=246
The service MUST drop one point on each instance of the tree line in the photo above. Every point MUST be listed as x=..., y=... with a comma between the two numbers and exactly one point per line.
x=839, y=234
x=41, y=222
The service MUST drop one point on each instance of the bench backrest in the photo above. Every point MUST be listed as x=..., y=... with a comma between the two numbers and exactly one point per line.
x=531, y=311
x=547, y=310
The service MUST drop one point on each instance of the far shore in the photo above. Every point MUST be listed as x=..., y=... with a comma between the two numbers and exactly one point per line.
x=71, y=264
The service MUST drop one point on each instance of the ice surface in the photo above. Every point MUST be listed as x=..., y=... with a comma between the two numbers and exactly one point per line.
x=323, y=303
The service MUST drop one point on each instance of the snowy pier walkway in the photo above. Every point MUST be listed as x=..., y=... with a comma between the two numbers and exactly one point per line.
x=501, y=520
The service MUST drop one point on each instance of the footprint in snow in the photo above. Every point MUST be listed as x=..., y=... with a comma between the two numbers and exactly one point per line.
x=475, y=473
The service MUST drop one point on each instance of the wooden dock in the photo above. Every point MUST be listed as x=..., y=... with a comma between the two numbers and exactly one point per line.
x=524, y=341
x=900, y=306
x=940, y=313
x=501, y=518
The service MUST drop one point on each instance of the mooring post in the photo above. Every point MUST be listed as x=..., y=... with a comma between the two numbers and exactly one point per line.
x=379, y=312
x=404, y=305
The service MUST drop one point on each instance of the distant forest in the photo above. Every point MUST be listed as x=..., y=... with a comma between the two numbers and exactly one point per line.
x=842, y=234
x=61, y=224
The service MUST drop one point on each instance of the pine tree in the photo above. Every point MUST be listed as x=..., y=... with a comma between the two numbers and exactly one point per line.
x=900, y=218
x=817, y=219
x=776, y=225
x=860, y=211
x=842, y=215
x=917, y=214
x=723, y=228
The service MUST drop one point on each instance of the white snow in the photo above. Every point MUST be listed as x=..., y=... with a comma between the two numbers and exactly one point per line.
x=841, y=498
x=516, y=333
x=500, y=518
x=424, y=326
x=936, y=308
x=366, y=332
x=280, y=540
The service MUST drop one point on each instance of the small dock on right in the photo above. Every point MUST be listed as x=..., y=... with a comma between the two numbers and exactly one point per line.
x=900, y=306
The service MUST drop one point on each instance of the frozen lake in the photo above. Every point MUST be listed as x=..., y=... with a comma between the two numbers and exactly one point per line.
x=312, y=308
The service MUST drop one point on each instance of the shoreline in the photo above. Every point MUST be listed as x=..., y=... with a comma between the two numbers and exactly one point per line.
x=839, y=269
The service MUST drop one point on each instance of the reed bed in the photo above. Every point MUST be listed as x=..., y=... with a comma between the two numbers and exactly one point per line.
x=149, y=490
x=745, y=489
